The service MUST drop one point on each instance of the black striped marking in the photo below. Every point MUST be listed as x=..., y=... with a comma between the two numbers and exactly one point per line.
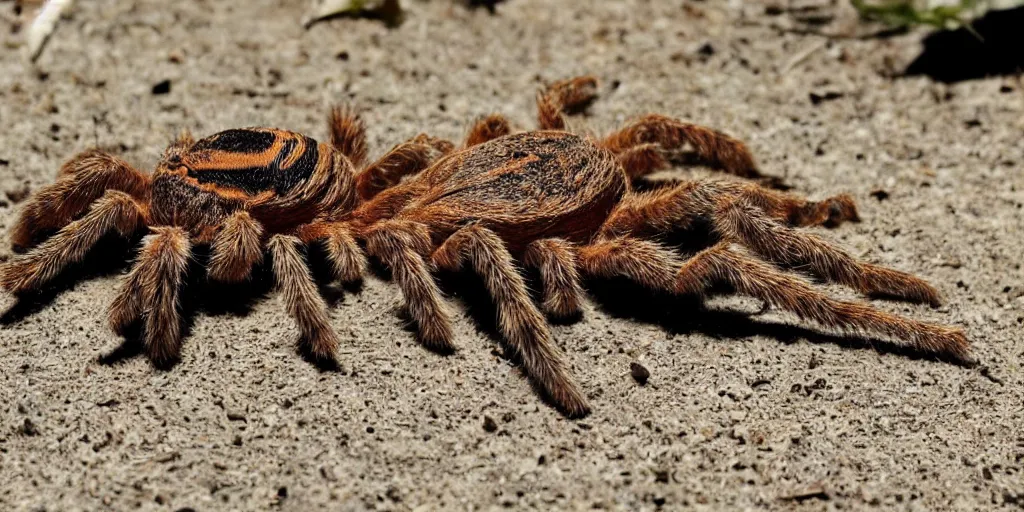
x=220, y=160
x=237, y=141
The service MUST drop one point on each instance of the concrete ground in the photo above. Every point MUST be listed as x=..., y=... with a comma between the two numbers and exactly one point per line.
x=740, y=412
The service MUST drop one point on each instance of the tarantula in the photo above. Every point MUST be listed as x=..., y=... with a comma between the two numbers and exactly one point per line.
x=548, y=199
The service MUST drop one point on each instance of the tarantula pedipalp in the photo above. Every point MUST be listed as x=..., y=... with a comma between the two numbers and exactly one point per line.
x=548, y=199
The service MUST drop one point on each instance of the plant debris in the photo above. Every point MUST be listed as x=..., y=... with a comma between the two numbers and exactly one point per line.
x=388, y=11
x=937, y=13
x=43, y=26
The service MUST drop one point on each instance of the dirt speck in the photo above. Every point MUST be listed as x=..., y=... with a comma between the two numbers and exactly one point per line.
x=161, y=87
x=640, y=373
x=489, y=424
x=28, y=428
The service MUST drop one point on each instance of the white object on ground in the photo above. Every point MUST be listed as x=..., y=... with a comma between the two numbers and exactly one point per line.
x=44, y=25
x=325, y=8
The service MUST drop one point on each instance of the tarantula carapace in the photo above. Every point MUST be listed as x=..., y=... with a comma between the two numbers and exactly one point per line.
x=547, y=199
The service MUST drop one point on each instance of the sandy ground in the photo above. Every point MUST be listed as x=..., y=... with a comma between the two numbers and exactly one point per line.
x=739, y=412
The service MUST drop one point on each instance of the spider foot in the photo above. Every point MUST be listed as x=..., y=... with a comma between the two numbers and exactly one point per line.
x=574, y=94
x=488, y=128
x=887, y=283
x=830, y=212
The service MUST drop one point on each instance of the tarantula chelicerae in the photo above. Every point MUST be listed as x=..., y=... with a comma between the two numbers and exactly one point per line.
x=547, y=199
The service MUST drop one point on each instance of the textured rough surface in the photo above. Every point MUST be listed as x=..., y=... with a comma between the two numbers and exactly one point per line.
x=524, y=186
x=736, y=412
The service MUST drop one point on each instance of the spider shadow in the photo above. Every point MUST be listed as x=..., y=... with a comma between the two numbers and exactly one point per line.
x=111, y=255
x=131, y=346
x=200, y=294
x=332, y=292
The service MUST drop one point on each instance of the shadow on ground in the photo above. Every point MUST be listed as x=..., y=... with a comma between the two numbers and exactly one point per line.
x=992, y=45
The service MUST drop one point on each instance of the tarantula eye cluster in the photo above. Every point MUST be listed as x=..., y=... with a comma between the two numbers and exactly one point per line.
x=547, y=199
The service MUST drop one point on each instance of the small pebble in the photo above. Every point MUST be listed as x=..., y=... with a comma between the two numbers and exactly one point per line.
x=639, y=373
x=489, y=424
x=28, y=428
x=328, y=473
x=162, y=87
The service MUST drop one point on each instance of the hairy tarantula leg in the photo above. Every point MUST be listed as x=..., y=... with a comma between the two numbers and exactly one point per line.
x=655, y=267
x=829, y=212
x=740, y=222
x=400, y=245
x=794, y=210
x=347, y=260
x=302, y=298
x=735, y=215
x=488, y=128
x=573, y=94
x=80, y=181
x=788, y=208
x=519, y=320
x=711, y=146
x=643, y=159
x=164, y=260
x=644, y=262
x=407, y=158
x=563, y=97
x=556, y=261
x=115, y=210
x=236, y=248
x=677, y=207
x=348, y=133
x=128, y=306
